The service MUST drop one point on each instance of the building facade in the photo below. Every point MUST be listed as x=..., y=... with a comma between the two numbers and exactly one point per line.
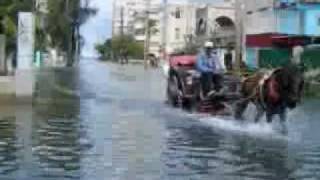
x=179, y=26
x=277, y=27
x=195, y=23
x=216, y=22
x=129, y=18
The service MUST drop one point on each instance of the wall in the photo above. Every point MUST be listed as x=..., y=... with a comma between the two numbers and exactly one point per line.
x=312, y=22
x=251, y=59
x=284, y=21
x=186, y=24
x=288, y=21
x=260, y=22
x=254, y=5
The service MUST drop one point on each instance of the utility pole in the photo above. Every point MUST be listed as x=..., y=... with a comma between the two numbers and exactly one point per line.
x=70, y=38
x=164, y=28
x=147, y=34
x=121, y=21
x=239, y=32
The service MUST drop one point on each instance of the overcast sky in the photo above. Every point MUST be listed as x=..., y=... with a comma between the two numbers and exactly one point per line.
x=98, y=28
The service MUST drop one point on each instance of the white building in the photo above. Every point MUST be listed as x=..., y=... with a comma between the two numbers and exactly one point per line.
x=216, y=22
x=129, y=17
x=178, y=26
x=196, y=23
x=42, y=6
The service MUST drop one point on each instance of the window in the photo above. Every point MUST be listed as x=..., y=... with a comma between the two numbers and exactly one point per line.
x=140, y=32
x=178, y=13
x=177, y=33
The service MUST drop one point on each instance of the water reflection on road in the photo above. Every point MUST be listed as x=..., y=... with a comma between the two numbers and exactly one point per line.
x=104, y=121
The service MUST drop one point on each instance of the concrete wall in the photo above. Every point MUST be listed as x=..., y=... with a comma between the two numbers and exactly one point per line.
x=312, y=21
x=254, y=5
x=260, y=22
x=252, y=58
x=274, y=21
x=186, y=25
x=288, y=21
x=305, y=19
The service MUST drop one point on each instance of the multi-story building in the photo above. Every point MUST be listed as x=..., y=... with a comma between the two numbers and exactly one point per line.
x=42, y=6
x=275, y=27
x=216, y=22
x=178, y=26
x=129, y=17
x=194, y=23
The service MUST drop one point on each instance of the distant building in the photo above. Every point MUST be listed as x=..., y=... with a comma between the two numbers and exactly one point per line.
x=129, y=18
x=274, y=28
x=179, y=26
x=42, y=10
x=42, y=6
x=194, y=23
x=216, y=22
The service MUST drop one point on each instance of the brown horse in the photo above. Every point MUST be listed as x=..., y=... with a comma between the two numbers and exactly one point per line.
x=272, y=93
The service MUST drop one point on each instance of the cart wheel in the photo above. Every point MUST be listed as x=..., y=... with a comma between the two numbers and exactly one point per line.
x=173, y=96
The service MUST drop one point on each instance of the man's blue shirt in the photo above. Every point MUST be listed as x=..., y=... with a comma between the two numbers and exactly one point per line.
x=207, y=63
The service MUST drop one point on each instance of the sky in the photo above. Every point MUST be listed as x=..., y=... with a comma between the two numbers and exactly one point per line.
x=98, y=28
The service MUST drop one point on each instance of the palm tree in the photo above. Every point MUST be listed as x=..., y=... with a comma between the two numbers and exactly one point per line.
x=8, y=14
x=64, y=28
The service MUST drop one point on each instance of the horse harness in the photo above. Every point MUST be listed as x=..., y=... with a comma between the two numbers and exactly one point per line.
x=260, y=88
x=268, y=78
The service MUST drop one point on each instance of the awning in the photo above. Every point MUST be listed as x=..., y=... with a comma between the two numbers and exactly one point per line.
x=274, y=39
x=291, y=41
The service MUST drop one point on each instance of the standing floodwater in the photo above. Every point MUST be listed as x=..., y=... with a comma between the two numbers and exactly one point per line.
x=104, y=121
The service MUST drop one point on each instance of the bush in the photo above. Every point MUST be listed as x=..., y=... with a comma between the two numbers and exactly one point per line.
x=112, y=47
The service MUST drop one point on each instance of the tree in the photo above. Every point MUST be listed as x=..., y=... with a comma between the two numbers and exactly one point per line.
x=64, y=20
x=112, y=47
x=8, y=13
x=104, y=50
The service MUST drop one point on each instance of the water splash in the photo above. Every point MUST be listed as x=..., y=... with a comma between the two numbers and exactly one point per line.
x=260, y=130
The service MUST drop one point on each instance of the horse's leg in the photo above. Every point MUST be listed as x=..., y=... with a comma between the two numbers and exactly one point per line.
x=259, y=114
x=269, y=116
x=283, y=119
x=240, y=108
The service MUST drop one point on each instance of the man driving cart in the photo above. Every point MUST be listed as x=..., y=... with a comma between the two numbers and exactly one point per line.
x=209, y=66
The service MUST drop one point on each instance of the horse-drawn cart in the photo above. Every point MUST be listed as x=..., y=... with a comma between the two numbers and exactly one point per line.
x=184, y=88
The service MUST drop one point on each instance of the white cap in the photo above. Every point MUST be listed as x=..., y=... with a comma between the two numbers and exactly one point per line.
x=208, y=44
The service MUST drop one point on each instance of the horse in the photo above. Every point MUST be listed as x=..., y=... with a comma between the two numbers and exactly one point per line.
x=272, y=93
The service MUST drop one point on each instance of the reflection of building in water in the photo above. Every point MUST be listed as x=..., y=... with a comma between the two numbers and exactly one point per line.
x=9, y=148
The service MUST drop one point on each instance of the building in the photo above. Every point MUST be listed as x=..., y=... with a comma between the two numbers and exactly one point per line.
x=216, y=22
x=179, y=26
x=42, y=10
x=274, y=28
x=42, y=6
x=196, y=22
x=129, y=17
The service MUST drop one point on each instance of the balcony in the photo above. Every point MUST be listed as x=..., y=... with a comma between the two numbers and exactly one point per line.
x=139, y=37
x=224, y=32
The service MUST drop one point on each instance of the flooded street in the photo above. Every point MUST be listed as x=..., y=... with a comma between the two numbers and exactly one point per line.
x=104, y=121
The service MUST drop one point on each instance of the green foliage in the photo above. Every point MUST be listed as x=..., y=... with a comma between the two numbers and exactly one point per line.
x=63, y=24
x=116, y=44
x=152, y=27
x=136, y=50
x=104, y=50
x=8, y=11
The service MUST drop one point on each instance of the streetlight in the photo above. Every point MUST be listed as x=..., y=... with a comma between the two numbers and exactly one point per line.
x=147, y=35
